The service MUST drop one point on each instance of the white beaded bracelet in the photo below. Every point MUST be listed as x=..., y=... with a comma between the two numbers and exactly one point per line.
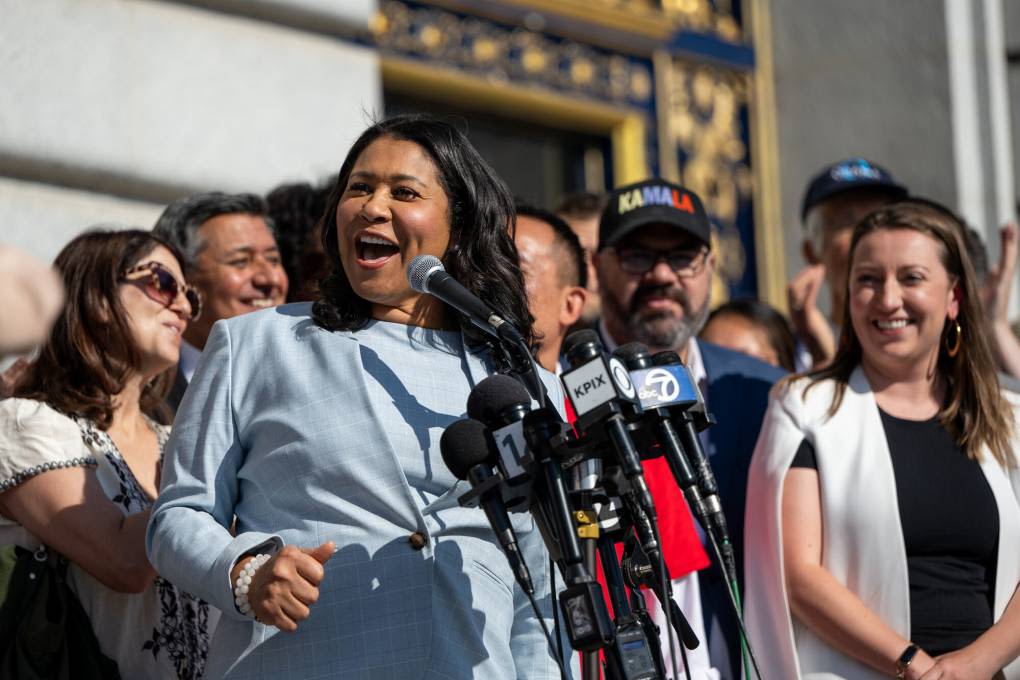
x=244, y=581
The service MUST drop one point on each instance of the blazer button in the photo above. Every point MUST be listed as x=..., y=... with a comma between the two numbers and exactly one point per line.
x=418, y=540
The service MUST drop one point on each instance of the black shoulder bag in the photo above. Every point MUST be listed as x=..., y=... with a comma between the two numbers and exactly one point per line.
x=45, y=633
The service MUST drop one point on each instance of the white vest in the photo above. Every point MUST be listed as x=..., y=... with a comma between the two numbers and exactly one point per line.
x=862, y=538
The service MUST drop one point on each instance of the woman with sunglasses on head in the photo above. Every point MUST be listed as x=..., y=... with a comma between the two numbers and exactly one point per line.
x=883, y=528
x=81, y=446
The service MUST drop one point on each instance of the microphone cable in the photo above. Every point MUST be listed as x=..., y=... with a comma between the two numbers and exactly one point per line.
x=732, y=590
x=661, y=584
x=666, y=602
x=724, y=555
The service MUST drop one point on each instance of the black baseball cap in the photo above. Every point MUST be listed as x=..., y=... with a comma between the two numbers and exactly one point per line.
x=846, y=175
x=653, y=201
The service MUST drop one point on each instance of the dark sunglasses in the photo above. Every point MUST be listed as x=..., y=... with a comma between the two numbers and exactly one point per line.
x=159, y=284
x=684, y=263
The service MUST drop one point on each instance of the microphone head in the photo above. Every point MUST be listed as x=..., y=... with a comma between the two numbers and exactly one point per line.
x=494, y=395
x=634, y=355
x=540, y=426
x=421, y=269
x=465, y=444
x=667, y=358
x=581, y=346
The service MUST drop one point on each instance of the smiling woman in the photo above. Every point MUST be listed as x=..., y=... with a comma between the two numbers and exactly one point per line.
x=318, y=429
x=893, y=476
x=416, y=186
x=81, y=445
x=393, y=209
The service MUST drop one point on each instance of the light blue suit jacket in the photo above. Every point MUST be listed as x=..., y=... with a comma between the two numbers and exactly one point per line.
x=278, y=430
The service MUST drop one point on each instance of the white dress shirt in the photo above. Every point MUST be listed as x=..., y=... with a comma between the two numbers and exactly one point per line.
x=189, y=359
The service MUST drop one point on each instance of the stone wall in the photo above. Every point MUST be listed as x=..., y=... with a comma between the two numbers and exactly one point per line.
x=866, y=78
x=111, y=108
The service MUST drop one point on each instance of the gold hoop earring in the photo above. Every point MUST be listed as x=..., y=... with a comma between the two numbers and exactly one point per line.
x=953, y=349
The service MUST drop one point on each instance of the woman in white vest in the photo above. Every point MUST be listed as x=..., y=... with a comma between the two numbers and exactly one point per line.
x=883, y=529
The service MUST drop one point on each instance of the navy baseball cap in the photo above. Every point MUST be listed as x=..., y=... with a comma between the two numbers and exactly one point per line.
x=653, y=201
x=846, y=175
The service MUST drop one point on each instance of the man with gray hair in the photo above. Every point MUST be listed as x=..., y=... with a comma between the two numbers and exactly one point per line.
x=834, y=201
x=231, y=257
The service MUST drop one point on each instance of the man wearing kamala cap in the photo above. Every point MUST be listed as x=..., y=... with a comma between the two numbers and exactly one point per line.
x=654, y=267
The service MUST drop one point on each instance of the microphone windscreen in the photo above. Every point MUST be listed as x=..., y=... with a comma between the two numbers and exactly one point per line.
x=420, y=268
x=667, y=358
x=464, y=444
x=634, y=355
x=494, y=395
x=577, y=338
x=632, y=351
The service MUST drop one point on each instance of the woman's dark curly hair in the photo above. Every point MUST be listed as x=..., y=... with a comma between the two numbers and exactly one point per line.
x=481, y=254
x=90, y=353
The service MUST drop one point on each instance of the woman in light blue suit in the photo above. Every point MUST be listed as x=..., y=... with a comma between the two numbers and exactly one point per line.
x=316, y=429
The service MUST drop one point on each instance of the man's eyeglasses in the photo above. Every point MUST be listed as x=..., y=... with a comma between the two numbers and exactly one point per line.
x=159, y=284
x=684, y=263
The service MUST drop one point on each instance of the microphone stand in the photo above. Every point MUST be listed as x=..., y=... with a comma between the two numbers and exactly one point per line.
x=641, y=566
x=521, y=363
x=585, y=476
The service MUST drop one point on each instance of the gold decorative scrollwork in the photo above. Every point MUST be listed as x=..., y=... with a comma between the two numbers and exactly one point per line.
x=493, y=51
x=703, y=16
x=704, y=107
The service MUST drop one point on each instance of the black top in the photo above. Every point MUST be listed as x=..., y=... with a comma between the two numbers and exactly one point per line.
x=951, y=529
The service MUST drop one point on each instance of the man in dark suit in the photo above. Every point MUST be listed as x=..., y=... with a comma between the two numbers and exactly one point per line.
x=654, y=267
x=231, y=257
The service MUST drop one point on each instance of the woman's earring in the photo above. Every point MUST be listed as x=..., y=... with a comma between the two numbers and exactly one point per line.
x=953, y=348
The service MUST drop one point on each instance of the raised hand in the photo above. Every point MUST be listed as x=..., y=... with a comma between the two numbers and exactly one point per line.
x=998, y=286
x=810, y=323
x=995, y=298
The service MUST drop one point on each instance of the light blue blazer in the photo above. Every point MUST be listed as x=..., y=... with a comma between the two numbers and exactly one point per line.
x=277, y=430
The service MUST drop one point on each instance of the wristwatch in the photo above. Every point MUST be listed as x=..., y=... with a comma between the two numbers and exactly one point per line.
x=903, y=663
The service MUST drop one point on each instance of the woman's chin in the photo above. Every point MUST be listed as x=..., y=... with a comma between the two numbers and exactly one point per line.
x=899, y=355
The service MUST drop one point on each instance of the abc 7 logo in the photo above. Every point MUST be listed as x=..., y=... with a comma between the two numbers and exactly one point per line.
x=663, y=383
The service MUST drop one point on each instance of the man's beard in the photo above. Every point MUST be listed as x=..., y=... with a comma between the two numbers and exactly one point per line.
x=658, y=329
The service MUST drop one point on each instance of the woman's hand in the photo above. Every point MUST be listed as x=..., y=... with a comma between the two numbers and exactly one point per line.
x=284, y=587
x=963, y=664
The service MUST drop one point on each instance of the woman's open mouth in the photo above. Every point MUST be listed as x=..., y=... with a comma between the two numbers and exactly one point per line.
x=374, y=251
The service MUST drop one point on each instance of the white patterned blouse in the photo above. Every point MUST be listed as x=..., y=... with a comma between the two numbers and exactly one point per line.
x=160, y=633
